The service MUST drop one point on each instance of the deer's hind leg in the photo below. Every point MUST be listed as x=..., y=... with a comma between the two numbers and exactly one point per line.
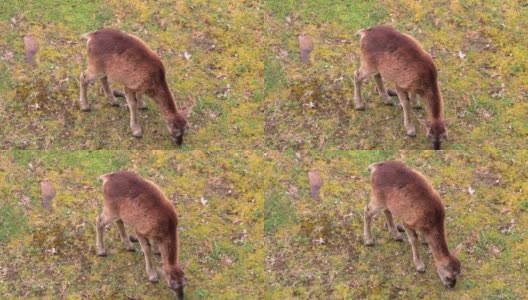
x=140, y=102
x=109, y=94
x=381, y=90
x=124, y=236
x=87, y=77
x=155, y=245
x=100, y=223
x=414, y=101
x=370, y=211
x=359, y=76
x=392, y=228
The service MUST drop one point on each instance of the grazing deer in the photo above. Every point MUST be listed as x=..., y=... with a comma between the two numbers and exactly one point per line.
x=398, y=58
x=126, y=59
x=408, y=195
x=139, y=203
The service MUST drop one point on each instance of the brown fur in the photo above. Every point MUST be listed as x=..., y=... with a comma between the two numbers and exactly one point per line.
x=399, y=58
x=123, y=58
x=140, y=204
x=408, y=195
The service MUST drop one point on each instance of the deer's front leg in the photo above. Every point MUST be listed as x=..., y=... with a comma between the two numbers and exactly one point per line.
x=132, y=107
x=147, y=252
x=404, y=100
x=413, y=240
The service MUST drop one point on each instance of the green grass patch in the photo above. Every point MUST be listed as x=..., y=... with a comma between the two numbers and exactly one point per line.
x=278, y=212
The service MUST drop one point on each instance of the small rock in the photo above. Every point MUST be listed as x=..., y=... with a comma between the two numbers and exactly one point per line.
x=306, y=46
x=228, y=260
x=31, y=47
x=48, y=193
x=316, y=182
x=495, y=250
x=471, y=190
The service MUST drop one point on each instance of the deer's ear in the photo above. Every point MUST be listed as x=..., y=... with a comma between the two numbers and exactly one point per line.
x=186, y=112
x=456, y=251
x=424, y=122
x=184, y=264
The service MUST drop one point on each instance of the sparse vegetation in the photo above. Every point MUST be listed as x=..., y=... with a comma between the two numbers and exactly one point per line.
x=262, y=120
x=212, y=50
x=478, y=48
x=319, y=253
x=51, y=254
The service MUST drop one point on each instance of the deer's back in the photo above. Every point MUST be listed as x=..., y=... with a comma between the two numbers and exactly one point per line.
x=139, y=203
x=407, y=194
x=397, y=57
x=123, y=58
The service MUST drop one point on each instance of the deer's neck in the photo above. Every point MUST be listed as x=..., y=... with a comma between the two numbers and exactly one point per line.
x=169, y=249
x=165, y=101
x=435, y=104
x=438, y=243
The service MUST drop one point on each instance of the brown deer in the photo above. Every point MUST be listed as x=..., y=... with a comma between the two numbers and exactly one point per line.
x=408, y=195
x=140, y=204
x=126, y=59
x=399, y=58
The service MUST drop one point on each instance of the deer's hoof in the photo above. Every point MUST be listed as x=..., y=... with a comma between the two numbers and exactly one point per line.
x=86, y=107
x=153, y=277
x=102, y=253
x=411, y=131
x=136, y=132
x=369, y=242
x=358, y=106
x=420, y=269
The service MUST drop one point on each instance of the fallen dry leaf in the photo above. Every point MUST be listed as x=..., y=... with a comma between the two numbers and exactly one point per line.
x=306, y=46
x=186, y=111
x=316, y=182
x=495, y=250
x=228, y=260
x=48, y=193
x=31, y=47
x=471, y=190
x=505, y=211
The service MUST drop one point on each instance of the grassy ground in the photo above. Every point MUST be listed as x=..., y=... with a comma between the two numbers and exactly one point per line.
x=39, y=105
x=51, y=255
x=311, y=107
x=314, y=250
